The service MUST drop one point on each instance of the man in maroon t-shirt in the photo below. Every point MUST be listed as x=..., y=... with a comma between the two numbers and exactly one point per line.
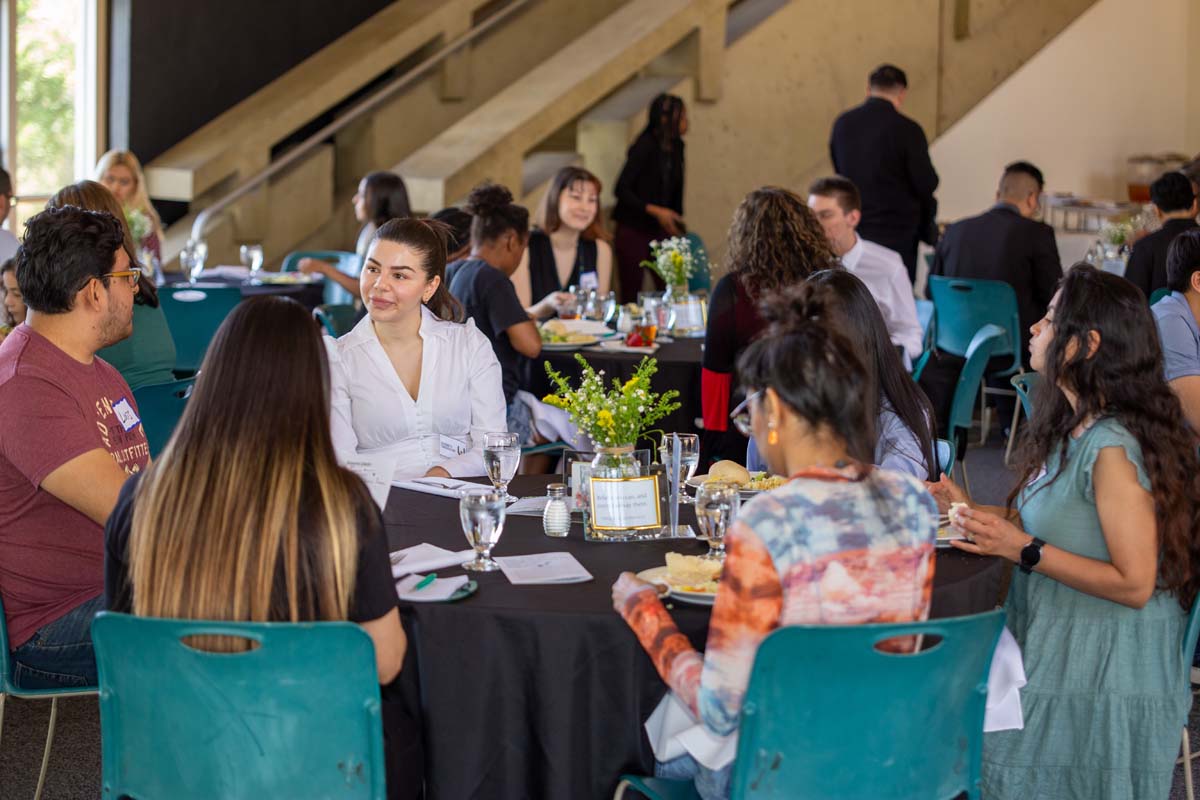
x=69, y=436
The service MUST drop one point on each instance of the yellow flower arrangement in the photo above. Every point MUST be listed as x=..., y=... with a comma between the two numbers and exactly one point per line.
x=611, y=416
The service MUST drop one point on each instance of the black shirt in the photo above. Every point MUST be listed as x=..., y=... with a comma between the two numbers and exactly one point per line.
x=649, y=177
x=543, y=270
x=491, y=300
x=374, y=587
x=1147, y=268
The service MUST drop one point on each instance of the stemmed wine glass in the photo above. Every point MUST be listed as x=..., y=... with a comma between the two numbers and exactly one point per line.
x=192, y=258
x=252, y=257
x=717, y=503
x=689, y=458
x=501, y=456
x=481, y=512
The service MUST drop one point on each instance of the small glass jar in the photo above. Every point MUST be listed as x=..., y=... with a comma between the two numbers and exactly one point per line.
x=556, y=517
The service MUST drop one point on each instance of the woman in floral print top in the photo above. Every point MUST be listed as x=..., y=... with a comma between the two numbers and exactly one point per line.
x=841, y=543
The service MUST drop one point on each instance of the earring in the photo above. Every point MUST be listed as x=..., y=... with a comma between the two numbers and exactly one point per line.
x=772, y=434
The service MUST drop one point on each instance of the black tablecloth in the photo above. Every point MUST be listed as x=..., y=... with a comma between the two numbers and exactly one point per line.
x=678, y=369
x=541, y=691
x=310, y=295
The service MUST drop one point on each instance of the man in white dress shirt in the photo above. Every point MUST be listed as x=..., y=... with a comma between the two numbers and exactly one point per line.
x=8, y=242
x=838, y=206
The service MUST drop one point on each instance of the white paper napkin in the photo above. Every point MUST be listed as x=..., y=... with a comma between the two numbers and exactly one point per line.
x=617, y=346
x=442, y=487
x=426, y=557
x=437, y=590
x=238, y=273
x=543, y=568
x=1005, y=680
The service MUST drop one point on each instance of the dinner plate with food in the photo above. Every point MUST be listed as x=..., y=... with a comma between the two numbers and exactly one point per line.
x=949, y=532
x=748, y=483
x=558, y=336
x=688, y=579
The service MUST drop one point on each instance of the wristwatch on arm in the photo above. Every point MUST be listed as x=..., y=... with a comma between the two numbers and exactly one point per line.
x=1031, y=555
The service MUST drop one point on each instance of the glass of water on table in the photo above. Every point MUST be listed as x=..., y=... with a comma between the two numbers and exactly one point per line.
x=481, y=512
x=689, y=458
x=717, y=503
x=501, y=456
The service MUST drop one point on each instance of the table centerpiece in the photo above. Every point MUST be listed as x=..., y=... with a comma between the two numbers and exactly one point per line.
x=672, y=260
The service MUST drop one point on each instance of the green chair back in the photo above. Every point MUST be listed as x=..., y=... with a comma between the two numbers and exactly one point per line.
x=1026, y=383
x=1159, y=294
x=346, y=262
x=7, y=687
x=984, y=344
x=337, y=320
x=1191, y=633
x=298, y=716
x=945, y=455
x=701, y=280
x=193, y=314
x=964, y=306
x=160, y=406
x=826, y=716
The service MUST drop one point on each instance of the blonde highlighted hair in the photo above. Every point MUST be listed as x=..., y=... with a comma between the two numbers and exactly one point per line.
x=141, y=196
x=246, y=515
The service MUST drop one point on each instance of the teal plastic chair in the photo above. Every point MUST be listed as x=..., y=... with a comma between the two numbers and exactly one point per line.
x=828, y=717
x=701, y=280
x=983, y=346
x=1191, y=633
x=945, y=455
x=337, y=320
x=1159, y=294
x=193, y=314
x=347, y=263
x=10, y=689
x=1025, y=384
x=160, y=405
x=298, y=716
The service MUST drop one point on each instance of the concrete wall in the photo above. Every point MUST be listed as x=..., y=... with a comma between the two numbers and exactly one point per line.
x=1116, y=83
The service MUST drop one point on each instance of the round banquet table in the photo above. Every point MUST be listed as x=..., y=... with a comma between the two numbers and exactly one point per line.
x=678, y=369
x=541, y=691
x=310, y=295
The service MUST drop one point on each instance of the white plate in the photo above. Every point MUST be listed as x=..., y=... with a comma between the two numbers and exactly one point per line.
x=659, y=575
x=566, y=347
x=696, y=481
x=589, y=326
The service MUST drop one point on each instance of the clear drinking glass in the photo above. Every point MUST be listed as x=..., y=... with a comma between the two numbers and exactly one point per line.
x=717, y=504
x=481, y=512
x=192, y=258
x=252, y=257
x=689, y=458
x=501, y=456
x=610, y=307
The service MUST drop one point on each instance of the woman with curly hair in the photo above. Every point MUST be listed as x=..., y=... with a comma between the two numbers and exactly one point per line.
x=1102, y=526
x=775, y=242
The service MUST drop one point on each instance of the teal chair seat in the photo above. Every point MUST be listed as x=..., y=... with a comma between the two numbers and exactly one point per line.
x=346, y=263
x=827, y=716
x=9, y=689
x=337, y=320
x=701, y=280
x=160, y=406
x=193, y=314
x=298, y=716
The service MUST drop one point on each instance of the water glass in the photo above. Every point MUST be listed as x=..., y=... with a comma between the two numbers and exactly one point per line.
x=501, y=456
x=481, y=512
x=610, y=307
x=252, y=257
x=717, y=504
x=192, y=258
x=689, y=459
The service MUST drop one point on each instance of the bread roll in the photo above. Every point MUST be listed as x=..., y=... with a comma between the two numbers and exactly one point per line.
x=729, y=471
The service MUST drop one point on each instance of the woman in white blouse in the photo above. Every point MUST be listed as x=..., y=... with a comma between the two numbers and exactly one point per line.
x=409, y=381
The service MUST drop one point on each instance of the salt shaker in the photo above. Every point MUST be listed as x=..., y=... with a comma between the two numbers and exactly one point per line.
x=556, y=518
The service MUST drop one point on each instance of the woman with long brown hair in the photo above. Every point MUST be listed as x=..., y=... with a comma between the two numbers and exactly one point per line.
x=1102, y=526
x=411, y=382
x=775, y=242
x=247, y=516
x=147, y=356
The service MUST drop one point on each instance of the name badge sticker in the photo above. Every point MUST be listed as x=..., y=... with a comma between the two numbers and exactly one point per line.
x=589, y=280
x=126, y=415
x=449, y=447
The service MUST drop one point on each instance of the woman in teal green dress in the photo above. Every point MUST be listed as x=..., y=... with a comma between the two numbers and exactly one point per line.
x=1104, y=540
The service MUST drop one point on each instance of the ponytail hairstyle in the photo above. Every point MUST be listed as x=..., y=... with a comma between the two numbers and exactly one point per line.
x=815, y=369
x=495, y=214
x=429, y=239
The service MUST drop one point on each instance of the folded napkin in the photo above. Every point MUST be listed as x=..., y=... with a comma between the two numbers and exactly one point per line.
x=426, y=557
x=438, y=589
x=1005, y=679
x=442, y=487
x=239, y=273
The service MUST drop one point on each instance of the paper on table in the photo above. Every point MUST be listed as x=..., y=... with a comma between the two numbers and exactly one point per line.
x=425, y=557
x=439, y=589
x=442, y=487
x=228, y=271
x=376, y=470
x=528, y=507
x=543, y=568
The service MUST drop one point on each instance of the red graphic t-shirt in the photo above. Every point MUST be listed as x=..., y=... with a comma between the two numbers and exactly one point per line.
x=54, y=409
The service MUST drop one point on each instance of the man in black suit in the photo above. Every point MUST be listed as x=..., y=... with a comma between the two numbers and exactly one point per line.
x=1005, y=243
x=886, y=155
x=1174, y=199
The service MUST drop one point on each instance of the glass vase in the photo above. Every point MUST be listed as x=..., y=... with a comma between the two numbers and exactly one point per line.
x=686, y=310
x=615, y=463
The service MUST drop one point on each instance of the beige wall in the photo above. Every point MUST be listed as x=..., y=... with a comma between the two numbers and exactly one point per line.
x=1115, y=83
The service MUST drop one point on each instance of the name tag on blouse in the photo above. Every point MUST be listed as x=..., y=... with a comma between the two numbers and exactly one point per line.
x=589, y=280
x=449, y=447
